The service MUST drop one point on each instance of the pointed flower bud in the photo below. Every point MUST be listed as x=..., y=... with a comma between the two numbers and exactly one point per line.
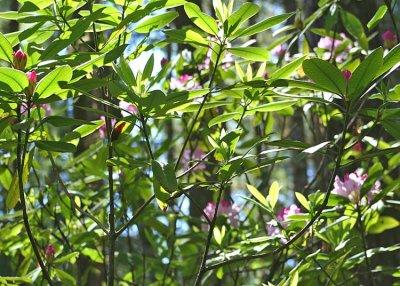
x=346, y=74
x=50, y=251
x=164, y=61
x=32, y=78
x=389, y=39
x=19, y=59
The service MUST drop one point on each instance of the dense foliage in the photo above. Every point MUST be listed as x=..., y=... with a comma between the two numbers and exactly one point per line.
x=165, y=142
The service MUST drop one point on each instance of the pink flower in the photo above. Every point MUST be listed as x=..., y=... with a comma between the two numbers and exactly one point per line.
x=103, y=128
x=389, y=39
x=196, y=156
x=351, y=186
x=19, y=59
x=47, y=108
x=184, y=81
x=127, y=109
x=346, y=74
x=326, y=43
x=279, y=51
x=226, y=208
x=50, y=251
x=282, y=220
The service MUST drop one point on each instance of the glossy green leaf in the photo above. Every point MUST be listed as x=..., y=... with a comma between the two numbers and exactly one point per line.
x=56, y=146
x=274, y=106
x=390, y=61
x=251, y=53
x=378, y=16
x=156, y=22
x=326, y=75
x=384, y=223
x=246, y=11
x=262, y=26
x=355, y=28
x=6, y=51
x=12, y=80
x=222, y=118
x=365, y=73
x=200, y=19
x=186, y=36
x=287, y=70
x=50, y=84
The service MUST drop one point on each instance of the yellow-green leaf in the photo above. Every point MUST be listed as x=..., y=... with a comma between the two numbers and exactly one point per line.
x=256, y=193
x=273, y=194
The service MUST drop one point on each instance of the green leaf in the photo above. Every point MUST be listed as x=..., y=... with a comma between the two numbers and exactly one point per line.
x=155, y=22
x=262, y=26
x=70, y=257
x=186, y=36
x=222, y=118
x=245, y=12
x=12, y=80
x=379, y=14
x=71, y=36
x=93, y=254
x=165, y=175
x=273, y=194
x=61, y=121
x=326, y=75
x=161, y=195
x=66, y=278
x=124, y=71
x=274, y=106
x=13, y=193
x=256, y=193
x=391, y=60
x=384, y=223
x=302, y=200
x=365, y=73
x=56, y=146
x=256, y=54
x=148, y=68
x=6, y=51
x=287, y=70
x=87, y=129
x=355, y=28
x=200, y=19
x=50, y=84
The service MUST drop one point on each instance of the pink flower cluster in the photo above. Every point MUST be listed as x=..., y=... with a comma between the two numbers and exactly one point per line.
x=282, y=220
x=327, y=43
x=226, y=208
x=184, y=81
x=127, y=109
x=350, y=186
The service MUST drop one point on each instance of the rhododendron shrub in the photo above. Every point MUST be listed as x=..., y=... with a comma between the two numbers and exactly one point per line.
x=173, y=142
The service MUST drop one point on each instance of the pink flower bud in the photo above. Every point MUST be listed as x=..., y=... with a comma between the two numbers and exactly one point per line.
x=50, y=251
x=346, y=74
x=389, y=39
x=19, y=59
x=164, y=61
x=32, y=78
x=358, y=147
